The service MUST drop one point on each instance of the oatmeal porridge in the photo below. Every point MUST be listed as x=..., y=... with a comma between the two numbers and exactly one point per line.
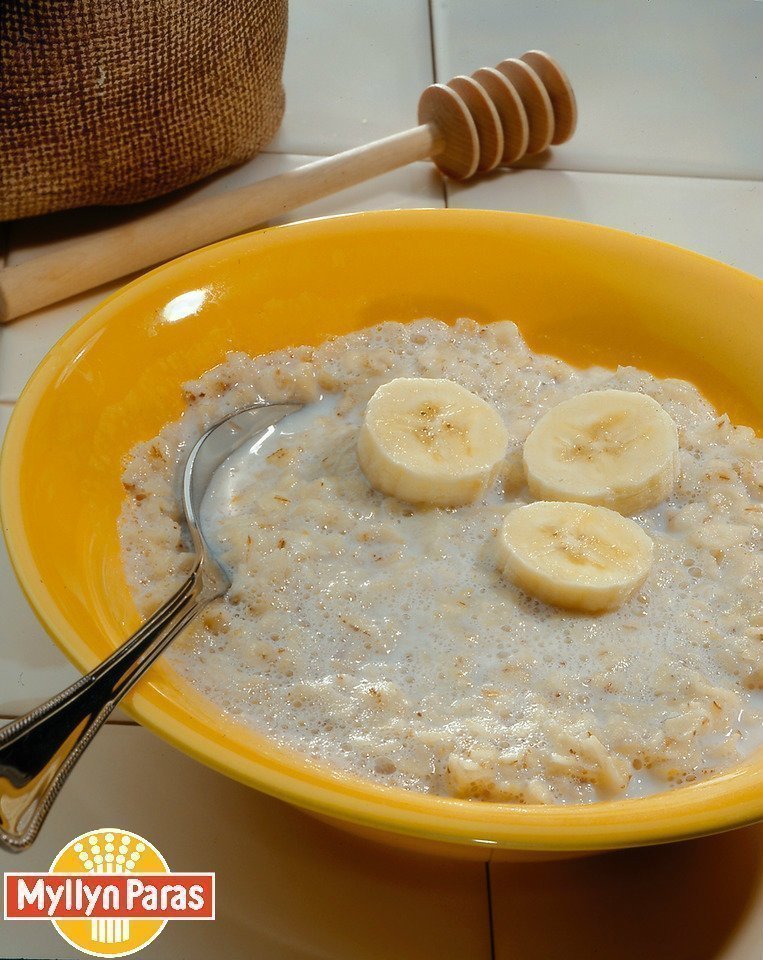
x=384, y=638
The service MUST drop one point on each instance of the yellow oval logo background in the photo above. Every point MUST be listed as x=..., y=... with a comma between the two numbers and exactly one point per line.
x=105, y=851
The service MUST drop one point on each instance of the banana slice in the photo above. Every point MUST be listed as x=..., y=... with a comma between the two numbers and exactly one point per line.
x=574, y=555
x=611, y=448
x=430, y=441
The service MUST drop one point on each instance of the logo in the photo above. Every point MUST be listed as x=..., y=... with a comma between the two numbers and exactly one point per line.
x=109, y=893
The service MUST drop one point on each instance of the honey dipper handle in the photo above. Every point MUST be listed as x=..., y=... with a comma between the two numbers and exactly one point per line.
x=113, y=253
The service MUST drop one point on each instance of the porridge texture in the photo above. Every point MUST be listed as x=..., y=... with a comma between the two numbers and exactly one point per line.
x=380, y=638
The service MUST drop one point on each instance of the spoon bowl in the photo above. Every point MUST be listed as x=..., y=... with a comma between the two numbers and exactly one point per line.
x=209, y=452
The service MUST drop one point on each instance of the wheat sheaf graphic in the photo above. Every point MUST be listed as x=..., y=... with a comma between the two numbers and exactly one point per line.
x=109, y=853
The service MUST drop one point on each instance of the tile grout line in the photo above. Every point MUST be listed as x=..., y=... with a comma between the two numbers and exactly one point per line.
x=489, y=891
x=733, y=178
x=433, y=54
x=432, y=48
x=723, y=178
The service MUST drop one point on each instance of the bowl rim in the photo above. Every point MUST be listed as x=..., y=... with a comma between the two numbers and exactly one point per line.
x=732, y=799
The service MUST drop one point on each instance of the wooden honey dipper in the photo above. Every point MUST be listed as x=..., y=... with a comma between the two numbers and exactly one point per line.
x=468, y=125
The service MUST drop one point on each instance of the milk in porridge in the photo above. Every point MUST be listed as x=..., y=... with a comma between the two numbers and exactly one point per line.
x=380, y=638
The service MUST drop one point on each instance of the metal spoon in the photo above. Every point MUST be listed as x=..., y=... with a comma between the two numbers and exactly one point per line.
x=38, y=751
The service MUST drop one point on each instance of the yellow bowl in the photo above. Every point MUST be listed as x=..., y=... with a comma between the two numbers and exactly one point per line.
x=585, y=293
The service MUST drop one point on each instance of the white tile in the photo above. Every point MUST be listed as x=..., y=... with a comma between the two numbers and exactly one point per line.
x=719, y=218
x=354, y=72
x=26, y=341
x=288, y=887
x=699, y=900
x=669, y=87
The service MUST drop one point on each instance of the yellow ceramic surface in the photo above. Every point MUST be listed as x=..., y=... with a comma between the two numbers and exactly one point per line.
x=585, y=293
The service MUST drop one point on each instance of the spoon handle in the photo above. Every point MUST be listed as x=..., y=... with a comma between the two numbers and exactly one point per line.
x=38, y=751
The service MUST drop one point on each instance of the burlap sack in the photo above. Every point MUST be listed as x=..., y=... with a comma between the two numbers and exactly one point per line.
x=113, y=101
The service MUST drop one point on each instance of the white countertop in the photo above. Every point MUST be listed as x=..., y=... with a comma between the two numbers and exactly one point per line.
x=669, y=144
